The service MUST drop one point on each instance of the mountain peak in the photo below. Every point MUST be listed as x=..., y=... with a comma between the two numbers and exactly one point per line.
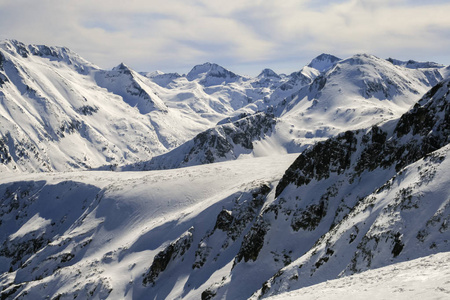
x=268, y=73
x=152, y=74
x=121, y=67
x=323, y=62
x=364, y=58
x=206, y=68
x=211, y=74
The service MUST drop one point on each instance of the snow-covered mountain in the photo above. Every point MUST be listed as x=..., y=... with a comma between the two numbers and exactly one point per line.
x=356, y=93
x=381, y=201
x=212, y=74
x=323, y=62
x=60, y=112
x=259, y=186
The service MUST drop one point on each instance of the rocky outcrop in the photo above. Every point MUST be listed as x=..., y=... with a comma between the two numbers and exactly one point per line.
x=223, y=142
x=173, y=251
x=233, y=223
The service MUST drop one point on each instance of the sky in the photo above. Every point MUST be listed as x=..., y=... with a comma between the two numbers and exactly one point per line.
x=244, y=36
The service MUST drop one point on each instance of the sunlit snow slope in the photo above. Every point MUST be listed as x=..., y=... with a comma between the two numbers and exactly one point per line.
x=424, y=278
x=93, y=234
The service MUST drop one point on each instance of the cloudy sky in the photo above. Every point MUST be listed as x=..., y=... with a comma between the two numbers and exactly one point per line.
x=244, y=36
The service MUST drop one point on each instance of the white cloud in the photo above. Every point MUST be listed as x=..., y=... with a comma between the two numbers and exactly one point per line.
x=175, y=34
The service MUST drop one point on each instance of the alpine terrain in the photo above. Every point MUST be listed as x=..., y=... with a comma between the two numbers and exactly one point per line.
x=118, y=184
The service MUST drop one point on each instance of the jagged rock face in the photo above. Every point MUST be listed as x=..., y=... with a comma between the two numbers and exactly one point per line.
x=329, y=185
x=233, y=223
x=378, y=84
x=296, y=80
x=175, y=249
x=60, y=112
x=120, y=117
x=430, y=115
x=224, y=142
x=60, y=227
x=253, y=243
x=331, y=156
x=61, y=54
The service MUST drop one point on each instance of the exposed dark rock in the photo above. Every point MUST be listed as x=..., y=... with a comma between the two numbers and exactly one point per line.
x=252, y=243
x=224, y=220
x=318, y=162
x=22, y=49
x=207, y=295
x=5, y=157
x=6, y=293
x=233, y=222
x=2, y=60
x=87, y=110
x=70, y=127
x=18, y=250
x=220, y=141
x=43, y=50
x=318, y=84
x=170, y=253
x=296, y=79
x=309, y=218
x=3, y=79
x=398, y=245
x=65, y=257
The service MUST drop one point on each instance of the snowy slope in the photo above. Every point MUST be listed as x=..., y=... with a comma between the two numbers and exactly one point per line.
x=425, y=278
x=93, y=234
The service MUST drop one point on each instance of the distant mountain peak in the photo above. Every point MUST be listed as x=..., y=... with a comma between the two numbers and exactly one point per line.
x=122, y=67
x=361, y=58
x=153, y=74
x=208, y=69
x=323, y=62
x=211, y=74
x=268, y=73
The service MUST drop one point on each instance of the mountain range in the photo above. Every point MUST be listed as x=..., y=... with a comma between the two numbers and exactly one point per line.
x=121, y=184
